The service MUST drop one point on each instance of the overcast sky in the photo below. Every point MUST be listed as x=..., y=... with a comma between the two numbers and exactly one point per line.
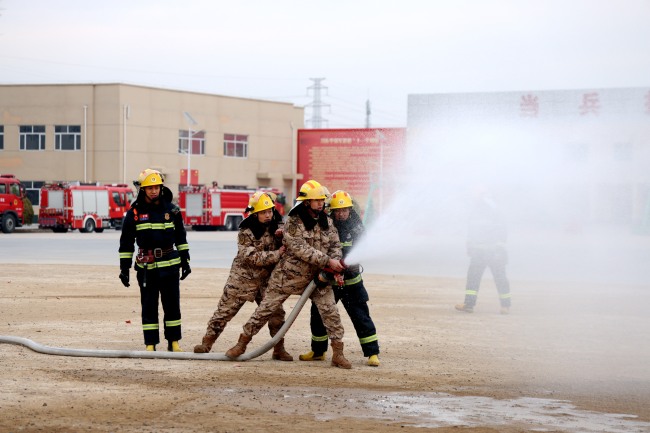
x=365, y=49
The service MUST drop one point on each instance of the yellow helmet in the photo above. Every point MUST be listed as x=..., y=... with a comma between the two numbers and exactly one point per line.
x=311, y=190
x=260, y=201
x=328, y=196
x=340, y=199
x=150, y=177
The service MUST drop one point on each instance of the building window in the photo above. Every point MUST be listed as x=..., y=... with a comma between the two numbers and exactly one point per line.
x=198, y=142
x=2, y=137
x=32, y=189
x=32, y=137
x=67, y=137
x=235, y=146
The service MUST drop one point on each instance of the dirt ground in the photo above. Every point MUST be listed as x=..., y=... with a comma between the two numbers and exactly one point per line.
x=569, y=358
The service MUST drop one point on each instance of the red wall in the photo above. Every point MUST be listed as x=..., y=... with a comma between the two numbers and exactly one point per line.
x=350, y=159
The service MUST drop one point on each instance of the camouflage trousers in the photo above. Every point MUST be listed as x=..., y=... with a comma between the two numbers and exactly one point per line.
x=229, y=305
x=323, y=299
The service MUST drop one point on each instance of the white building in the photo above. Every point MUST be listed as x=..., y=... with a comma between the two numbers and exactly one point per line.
x=566, y=157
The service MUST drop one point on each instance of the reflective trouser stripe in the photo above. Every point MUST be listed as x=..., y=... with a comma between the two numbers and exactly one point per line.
x=505, y=296
x=149, y=326
x=318, y=338
x=471, y=292
x=369, y=339
x=171, y=323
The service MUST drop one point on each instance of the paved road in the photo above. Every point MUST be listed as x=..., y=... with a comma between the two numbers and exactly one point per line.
x=207, y=249
x=604, y=257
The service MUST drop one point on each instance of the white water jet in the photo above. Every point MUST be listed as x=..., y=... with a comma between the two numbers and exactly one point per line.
x=536, y=174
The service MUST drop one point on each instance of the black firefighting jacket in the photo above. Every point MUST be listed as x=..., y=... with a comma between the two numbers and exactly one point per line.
x=350, y=231
x=155, y=228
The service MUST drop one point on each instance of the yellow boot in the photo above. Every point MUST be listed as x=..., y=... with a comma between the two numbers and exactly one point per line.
x=174, y=347
x=150, y=348
x=311, y=356
x=373, y=361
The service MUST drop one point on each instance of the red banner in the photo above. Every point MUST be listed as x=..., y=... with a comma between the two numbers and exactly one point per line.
x=194, y=177
x=357, y=161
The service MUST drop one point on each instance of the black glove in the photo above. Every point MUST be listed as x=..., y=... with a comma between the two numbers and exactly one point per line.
x=124, y=277
x=185, y=270
x=323, y=279
x=354, y=269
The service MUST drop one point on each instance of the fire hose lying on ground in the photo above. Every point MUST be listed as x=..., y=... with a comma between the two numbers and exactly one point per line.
x=89, y=353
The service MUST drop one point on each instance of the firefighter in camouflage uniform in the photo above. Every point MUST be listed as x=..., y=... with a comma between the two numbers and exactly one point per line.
x=312, y=245
x=155, y=224
x=352, y=293
x=259, y=248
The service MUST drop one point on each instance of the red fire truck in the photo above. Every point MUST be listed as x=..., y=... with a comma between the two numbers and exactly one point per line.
x=280, y=198
x=120, y=197
x=213, y=208
x=12, y=207
x=69, y=206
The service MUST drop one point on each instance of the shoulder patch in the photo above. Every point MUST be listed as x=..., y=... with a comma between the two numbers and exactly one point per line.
x=292, y=229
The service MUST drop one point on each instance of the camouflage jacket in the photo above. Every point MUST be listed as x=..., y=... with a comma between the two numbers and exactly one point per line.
x=257, y=255
x=310, y=244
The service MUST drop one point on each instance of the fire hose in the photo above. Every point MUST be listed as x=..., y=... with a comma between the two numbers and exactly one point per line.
x=90, y=353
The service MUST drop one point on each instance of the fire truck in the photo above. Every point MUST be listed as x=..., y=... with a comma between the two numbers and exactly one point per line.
x=214, y=208
x=12, y=207
x=88, y=208
x=120, y=197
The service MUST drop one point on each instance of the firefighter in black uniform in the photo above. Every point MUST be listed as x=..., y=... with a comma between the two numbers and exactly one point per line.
x=156, y=225
x=486, y=247
x=352, y=292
